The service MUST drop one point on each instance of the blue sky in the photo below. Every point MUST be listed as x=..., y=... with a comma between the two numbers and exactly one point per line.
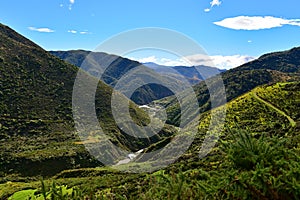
x=232, y=31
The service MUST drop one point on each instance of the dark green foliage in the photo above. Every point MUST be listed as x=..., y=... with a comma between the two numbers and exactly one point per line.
x=285, y=61
x=246, y=152
x=267, y=168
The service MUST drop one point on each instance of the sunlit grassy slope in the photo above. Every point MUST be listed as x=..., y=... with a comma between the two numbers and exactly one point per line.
x=199, y=178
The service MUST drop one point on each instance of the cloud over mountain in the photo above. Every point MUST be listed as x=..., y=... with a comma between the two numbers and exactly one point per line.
x=219, y=61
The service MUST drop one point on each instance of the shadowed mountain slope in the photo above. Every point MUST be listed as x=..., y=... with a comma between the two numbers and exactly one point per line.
x=37, y=134
x=95, y=62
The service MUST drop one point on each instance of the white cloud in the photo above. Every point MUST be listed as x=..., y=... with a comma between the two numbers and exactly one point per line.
x=149, y=59
x=256, y=22
x=84, y=32
x=221, y=62
x=79, y=32
x=213, y=3
x=162, y=61
x=228, y=62
x=72, y=31
x=177, y=62
x=42, y=30
x=71, y=4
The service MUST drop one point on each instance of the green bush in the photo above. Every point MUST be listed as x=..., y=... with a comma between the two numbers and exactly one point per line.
x=261, y=168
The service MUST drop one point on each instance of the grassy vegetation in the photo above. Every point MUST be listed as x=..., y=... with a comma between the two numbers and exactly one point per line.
x=248, y=111
x=258, y=161
x=257, y=156
x=250, y=168
x=280, y=95
x=268, y=69
x=37, y=134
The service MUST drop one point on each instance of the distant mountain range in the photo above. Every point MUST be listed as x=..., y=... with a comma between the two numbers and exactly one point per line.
x=190, y=73
x=117, y=66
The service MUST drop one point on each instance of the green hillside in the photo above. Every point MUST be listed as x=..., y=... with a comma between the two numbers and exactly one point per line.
x=284, y=61
x=257, y=157
x=268, y=69
x=37, y=134
x=273, y=110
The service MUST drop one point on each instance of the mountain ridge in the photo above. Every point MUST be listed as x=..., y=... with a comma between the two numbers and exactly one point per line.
x=116, y=67
x=36, y=118
x=191, y=73
x=270, y=68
